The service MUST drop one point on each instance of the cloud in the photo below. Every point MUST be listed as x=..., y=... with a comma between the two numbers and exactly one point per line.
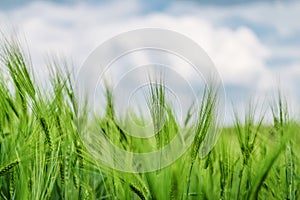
x=239, y=53
x=278, y=14
x=77, y=30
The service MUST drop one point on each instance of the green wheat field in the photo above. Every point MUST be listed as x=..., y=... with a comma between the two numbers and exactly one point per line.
x=43, y=157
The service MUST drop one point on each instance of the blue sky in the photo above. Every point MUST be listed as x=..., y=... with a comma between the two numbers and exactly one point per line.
x=252, y=43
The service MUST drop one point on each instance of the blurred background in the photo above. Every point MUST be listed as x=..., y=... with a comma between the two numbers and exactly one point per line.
x=255, y=45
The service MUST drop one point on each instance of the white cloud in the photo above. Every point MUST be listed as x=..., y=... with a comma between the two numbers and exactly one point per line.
x=76, y=30
x=281, y=15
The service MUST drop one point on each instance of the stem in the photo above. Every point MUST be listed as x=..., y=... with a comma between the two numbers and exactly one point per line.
x=240, y=182
x=189, y=181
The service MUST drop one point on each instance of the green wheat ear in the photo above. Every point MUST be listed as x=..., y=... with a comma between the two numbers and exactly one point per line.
x=138, y=191
x=205, y=122
x=8, y=168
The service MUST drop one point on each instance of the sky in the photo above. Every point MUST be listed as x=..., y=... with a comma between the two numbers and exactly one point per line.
x=255, y=45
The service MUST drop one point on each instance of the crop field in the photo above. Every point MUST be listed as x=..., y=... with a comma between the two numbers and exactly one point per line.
x=42, y=155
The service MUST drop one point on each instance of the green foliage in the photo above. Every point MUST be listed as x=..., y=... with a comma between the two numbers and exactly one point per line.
x=42, y=156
